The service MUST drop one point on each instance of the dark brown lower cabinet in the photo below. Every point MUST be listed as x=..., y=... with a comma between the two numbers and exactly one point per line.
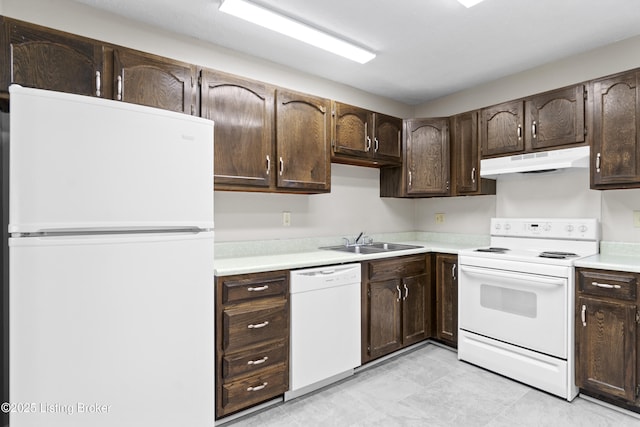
x=396, y=300
x=606, y=336
x=447, y=299
x=252, y=339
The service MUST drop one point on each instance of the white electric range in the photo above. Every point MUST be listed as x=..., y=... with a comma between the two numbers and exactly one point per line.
x=516, y=300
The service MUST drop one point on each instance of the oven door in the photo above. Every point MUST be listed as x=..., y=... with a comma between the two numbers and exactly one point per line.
x=524, y=309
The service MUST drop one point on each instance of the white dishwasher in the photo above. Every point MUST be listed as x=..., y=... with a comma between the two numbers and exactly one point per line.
x=325, y=326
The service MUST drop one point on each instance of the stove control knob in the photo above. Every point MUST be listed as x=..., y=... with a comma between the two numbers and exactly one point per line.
x=498, y=226
x=547, y=227
x=507, y=227
x=583, y=228
x=569, y=228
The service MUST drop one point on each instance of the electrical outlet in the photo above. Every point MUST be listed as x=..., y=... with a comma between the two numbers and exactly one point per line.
x=439, y=218
x=636, y=219
x=286, y=219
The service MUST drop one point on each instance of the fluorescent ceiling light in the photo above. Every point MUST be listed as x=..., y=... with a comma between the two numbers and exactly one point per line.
x=469, y=3
x=289, y=27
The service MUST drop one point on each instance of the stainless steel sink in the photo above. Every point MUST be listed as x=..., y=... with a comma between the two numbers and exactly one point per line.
x=372, y=248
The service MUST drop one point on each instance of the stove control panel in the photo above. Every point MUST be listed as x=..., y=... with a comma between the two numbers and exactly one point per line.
x=547, y=228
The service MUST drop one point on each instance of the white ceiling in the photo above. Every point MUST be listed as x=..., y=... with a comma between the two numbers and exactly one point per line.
x=426, y=49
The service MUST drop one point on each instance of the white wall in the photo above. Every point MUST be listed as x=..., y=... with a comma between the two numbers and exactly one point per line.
x=352, y=206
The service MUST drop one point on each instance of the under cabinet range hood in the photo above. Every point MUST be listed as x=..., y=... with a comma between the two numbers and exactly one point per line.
x=542, y=161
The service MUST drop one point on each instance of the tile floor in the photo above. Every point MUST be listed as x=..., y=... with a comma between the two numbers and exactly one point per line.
x=430, y=387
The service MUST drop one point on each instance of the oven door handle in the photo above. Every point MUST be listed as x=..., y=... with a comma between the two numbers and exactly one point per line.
x=530, y=279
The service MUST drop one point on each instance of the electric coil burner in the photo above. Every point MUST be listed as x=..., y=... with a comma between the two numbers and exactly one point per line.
x=516, y=300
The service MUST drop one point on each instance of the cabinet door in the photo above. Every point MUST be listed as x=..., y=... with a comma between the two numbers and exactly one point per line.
x=466, y=153
x=606, y=347
x=414, y=309
x=145, y=79
x=447, y=298
x=387, y=139
x=48, y=59
x=384, y=307
x=243, y=114
x=615, y=150
x=352, y=131
x=501, y=129
x=303, y=129
x=556, y=118
x=427, y=159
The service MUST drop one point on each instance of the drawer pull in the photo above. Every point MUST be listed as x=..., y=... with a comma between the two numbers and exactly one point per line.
x=583, y=315
x=258, y=325
x=258, y=387
x=258, y=288
x=258, y=362
x=605, y=285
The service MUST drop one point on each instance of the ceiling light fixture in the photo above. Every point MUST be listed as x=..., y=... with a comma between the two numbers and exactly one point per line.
x=469, y=3
x=289, y=27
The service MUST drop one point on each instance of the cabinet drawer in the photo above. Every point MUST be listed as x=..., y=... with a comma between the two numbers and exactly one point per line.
x=243, y=288
x=603, y=283
x=397, y=267
x=248, y=391
x=246, y=362
x=249, y=324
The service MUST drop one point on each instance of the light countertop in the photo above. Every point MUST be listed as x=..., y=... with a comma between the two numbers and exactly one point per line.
x=256, y=263
x=630, y=263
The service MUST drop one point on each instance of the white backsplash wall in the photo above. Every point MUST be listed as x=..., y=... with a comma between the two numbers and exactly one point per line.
x=560, y=194
x=353, y=205
x=617, y=215
x=464, y=215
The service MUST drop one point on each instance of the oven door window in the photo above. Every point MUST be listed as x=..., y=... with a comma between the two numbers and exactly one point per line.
x=524, y=309
x=512, y=301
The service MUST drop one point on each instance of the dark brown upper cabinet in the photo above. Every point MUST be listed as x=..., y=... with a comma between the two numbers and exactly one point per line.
x=615, y=144
x=35, y=56
x=465, y=157
x=243, y=112
x=425, y=170
x=365, y=138
x=554, y=119
x=154, y=81
x=501, y=129
x=303, y=142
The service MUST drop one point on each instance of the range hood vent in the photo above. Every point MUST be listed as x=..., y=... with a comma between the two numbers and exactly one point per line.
x=536, y=162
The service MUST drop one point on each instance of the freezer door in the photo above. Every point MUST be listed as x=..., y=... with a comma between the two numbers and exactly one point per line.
x=82, y=162
x=112, y=331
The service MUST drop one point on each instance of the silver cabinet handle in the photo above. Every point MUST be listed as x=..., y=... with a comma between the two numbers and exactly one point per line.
x=584, y=315
x=399, y=293
x=258, y=361
x=453, y=271
x=534, y=130
x=367, y=140
x=598, y=161
x=268, y=164
x=258, y=325
x=605, y=285
x=119, y=88
x=98, y=84
x=258, y=387
x=377, y=144
x=257, y=288
x=409, y=179
x=406, y=292
x=519, y=132
x=473, y=175
x=281, y=165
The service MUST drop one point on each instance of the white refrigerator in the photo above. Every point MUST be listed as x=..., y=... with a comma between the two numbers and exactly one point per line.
x=111, y=277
